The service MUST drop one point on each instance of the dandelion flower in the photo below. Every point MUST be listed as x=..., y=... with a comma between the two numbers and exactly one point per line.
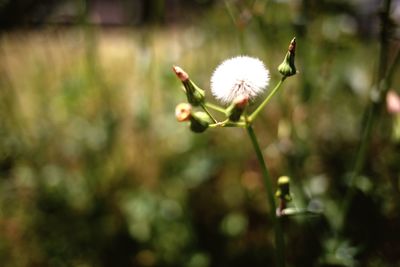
x=240, y=76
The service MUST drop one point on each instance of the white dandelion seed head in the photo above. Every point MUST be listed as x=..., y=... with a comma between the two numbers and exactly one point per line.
x=239, y=76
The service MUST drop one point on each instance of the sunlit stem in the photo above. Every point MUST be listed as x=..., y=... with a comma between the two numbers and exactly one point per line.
x=279, y=240
x=373, y=109
x=299, y=212
x=215, y=107
x=208, y=113
x=228, y=123
x=266, y=100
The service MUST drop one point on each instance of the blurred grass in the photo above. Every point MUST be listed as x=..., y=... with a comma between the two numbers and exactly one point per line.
x=95, y=170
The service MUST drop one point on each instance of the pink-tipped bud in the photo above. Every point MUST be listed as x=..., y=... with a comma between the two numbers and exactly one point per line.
x=241, y=101
x=183, y=112
x=292, y=46
x=236, y=109
x=180, y=73
x=393, y=102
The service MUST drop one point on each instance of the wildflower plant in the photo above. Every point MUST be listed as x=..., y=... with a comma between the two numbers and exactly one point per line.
x=236, y=83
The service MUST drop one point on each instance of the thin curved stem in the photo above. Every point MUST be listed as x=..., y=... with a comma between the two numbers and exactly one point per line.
x=230, y=11
x=279, y=240
x=208, y=113
x=228, y=123
x=266, y=100
x=239, y=30
x=215, y=107
x=372, y=110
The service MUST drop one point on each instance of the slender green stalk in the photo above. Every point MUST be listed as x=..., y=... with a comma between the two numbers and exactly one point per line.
x=279, y=240
x=215, y=107
x=366, y=137
x=228, y=123
x=230, y=11
x=359, y=163
x=373, y=109
x=239, y=31
x=208, y=113
x=266, y=100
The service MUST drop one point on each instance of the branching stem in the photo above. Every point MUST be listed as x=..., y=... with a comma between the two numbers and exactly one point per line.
x=266, y=100
x=215, y=107
x=279, y=239
x=208, y=113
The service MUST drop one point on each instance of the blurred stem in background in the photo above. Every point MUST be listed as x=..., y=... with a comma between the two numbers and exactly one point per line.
x=374, y=108
x=301, y=25
x=235, y=21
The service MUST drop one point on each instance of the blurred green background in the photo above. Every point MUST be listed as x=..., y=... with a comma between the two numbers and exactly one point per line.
x=95, y=170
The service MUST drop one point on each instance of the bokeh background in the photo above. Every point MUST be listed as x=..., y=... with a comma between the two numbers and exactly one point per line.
x=95, y=170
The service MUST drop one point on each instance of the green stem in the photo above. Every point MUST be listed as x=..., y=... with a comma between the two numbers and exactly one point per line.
x=228, y=123
x=240, y=32
x=359, y=163
x=373, y=109
x=266, y=100
x=366, y=136
x=215, y=107
x=208, y=113
x=279, y=240
x=230, y=11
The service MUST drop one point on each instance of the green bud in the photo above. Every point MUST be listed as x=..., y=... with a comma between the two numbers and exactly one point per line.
x=236, y=109
x=287, y=67
x=194, y=94
x=283, y=191
x=199, y=122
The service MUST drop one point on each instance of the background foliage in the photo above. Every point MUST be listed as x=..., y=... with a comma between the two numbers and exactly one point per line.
x=95, y=170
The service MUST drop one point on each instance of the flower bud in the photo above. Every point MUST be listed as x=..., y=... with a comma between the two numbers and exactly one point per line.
x=180, y=73
x=183, y=112
x=236, y=109
x=283, y=191
x=287, y=67
x=194, y=94
x=199, y=122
